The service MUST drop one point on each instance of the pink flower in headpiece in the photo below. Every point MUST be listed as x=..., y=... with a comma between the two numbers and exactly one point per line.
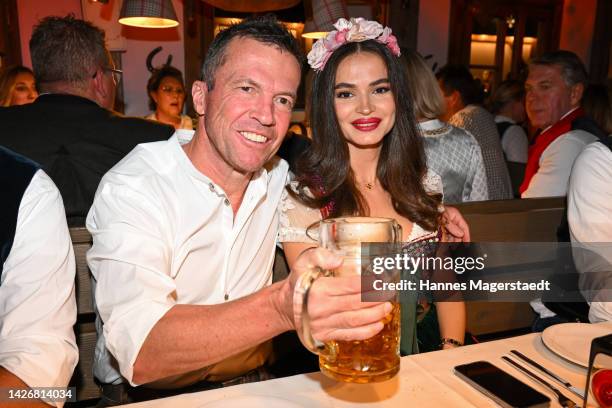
x=384, y=36
x=340, y=36
x=390, y=41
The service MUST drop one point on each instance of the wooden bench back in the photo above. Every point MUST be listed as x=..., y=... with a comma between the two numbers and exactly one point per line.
x=85, y=328
x=526, y=220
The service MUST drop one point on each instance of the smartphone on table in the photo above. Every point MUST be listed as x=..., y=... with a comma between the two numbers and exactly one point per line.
x=500, y=386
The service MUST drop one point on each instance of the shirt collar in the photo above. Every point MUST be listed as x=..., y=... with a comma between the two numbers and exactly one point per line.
x=431, y=124
x=502, y=118
x=259, y=180
x=560, y=119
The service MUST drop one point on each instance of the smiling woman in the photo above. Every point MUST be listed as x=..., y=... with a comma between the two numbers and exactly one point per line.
x=367, y=157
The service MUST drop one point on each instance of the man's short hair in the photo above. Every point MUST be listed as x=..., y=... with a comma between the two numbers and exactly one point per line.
x=572, y=69
x=459, y=78
x=265, y=29
x=66, y=49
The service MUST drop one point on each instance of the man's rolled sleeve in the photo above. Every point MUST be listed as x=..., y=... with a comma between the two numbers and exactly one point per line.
x=131, y=263
x=38, y=308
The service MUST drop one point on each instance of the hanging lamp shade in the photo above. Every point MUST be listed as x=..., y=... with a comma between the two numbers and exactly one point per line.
x=148, y=14
x=251, y=6
x=324, y=14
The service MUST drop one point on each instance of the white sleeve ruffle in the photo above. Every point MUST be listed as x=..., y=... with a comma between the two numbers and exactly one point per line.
x=295, y=219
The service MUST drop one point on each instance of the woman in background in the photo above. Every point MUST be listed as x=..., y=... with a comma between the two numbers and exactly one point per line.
x=367, y=159
x=508, y=106
x=166, y=92
x=451, y=152
x=17, y=86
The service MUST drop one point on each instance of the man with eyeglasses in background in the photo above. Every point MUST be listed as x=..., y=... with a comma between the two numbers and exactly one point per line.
x=71, y=130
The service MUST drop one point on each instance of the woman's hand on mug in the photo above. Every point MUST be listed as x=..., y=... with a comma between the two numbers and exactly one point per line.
x=455, y=225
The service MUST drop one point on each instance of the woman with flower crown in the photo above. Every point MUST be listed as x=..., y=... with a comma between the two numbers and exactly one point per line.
x=367, y=157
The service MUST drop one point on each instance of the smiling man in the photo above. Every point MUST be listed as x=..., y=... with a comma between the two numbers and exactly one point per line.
x=554, y=90
x=184, y=237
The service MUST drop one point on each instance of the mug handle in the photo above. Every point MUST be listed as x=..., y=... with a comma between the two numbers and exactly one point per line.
x=302, y=319
x=397, y=232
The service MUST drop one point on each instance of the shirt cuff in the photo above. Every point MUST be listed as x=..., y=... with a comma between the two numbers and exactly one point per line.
x=126, y=333
x=39, y=361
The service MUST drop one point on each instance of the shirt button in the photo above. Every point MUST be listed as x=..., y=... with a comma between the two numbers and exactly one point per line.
x=226, y=296
x=226, y=202
x=211, y=186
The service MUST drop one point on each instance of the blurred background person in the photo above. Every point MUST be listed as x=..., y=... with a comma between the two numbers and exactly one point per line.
x=508, y=106
x=70, y=129
x=597, y=104
x=463, y=97
x=166, y=91
x=451, y=152
x=17, y=86
x=554, y=89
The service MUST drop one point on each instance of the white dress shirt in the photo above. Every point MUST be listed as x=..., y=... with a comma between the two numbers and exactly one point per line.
x=165, y=234
x=556, y=163
x=514, y=141
x=589, y=214
x=37, y=300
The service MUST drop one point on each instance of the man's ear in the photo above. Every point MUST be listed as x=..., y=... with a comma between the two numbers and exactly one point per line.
x=153, y=95
x=100, y=89
x=199, y=90
x=457, y=101
x=576, y=94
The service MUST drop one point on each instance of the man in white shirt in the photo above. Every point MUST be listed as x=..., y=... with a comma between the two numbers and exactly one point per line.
x=37, y=291
x=554, y=90
x=589, y=210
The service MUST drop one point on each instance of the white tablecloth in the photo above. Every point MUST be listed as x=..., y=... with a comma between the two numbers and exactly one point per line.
x=425, y=380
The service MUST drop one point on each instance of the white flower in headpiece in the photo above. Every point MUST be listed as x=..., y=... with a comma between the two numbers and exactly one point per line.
x=343, y=24
x=385, y=35
x=316, y=56
x=363, y=29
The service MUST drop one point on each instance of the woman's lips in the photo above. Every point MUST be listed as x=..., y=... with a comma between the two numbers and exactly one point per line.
x=366, y=124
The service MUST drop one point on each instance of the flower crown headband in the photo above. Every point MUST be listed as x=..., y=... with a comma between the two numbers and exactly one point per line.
x=353, y=30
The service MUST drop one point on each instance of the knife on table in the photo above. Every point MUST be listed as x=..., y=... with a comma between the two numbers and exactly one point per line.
x=552, y=375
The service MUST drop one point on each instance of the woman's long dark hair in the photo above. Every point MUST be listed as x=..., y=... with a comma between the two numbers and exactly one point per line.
x=325, y=169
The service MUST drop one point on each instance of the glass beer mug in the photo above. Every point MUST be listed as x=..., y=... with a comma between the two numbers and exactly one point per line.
x=364, y=361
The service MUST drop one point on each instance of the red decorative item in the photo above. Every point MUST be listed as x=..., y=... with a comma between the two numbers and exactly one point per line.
x=601, y=388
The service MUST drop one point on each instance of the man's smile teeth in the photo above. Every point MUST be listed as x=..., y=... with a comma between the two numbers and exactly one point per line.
x=253, y=137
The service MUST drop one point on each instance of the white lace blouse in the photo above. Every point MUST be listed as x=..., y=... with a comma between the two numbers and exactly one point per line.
x=296, y=218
